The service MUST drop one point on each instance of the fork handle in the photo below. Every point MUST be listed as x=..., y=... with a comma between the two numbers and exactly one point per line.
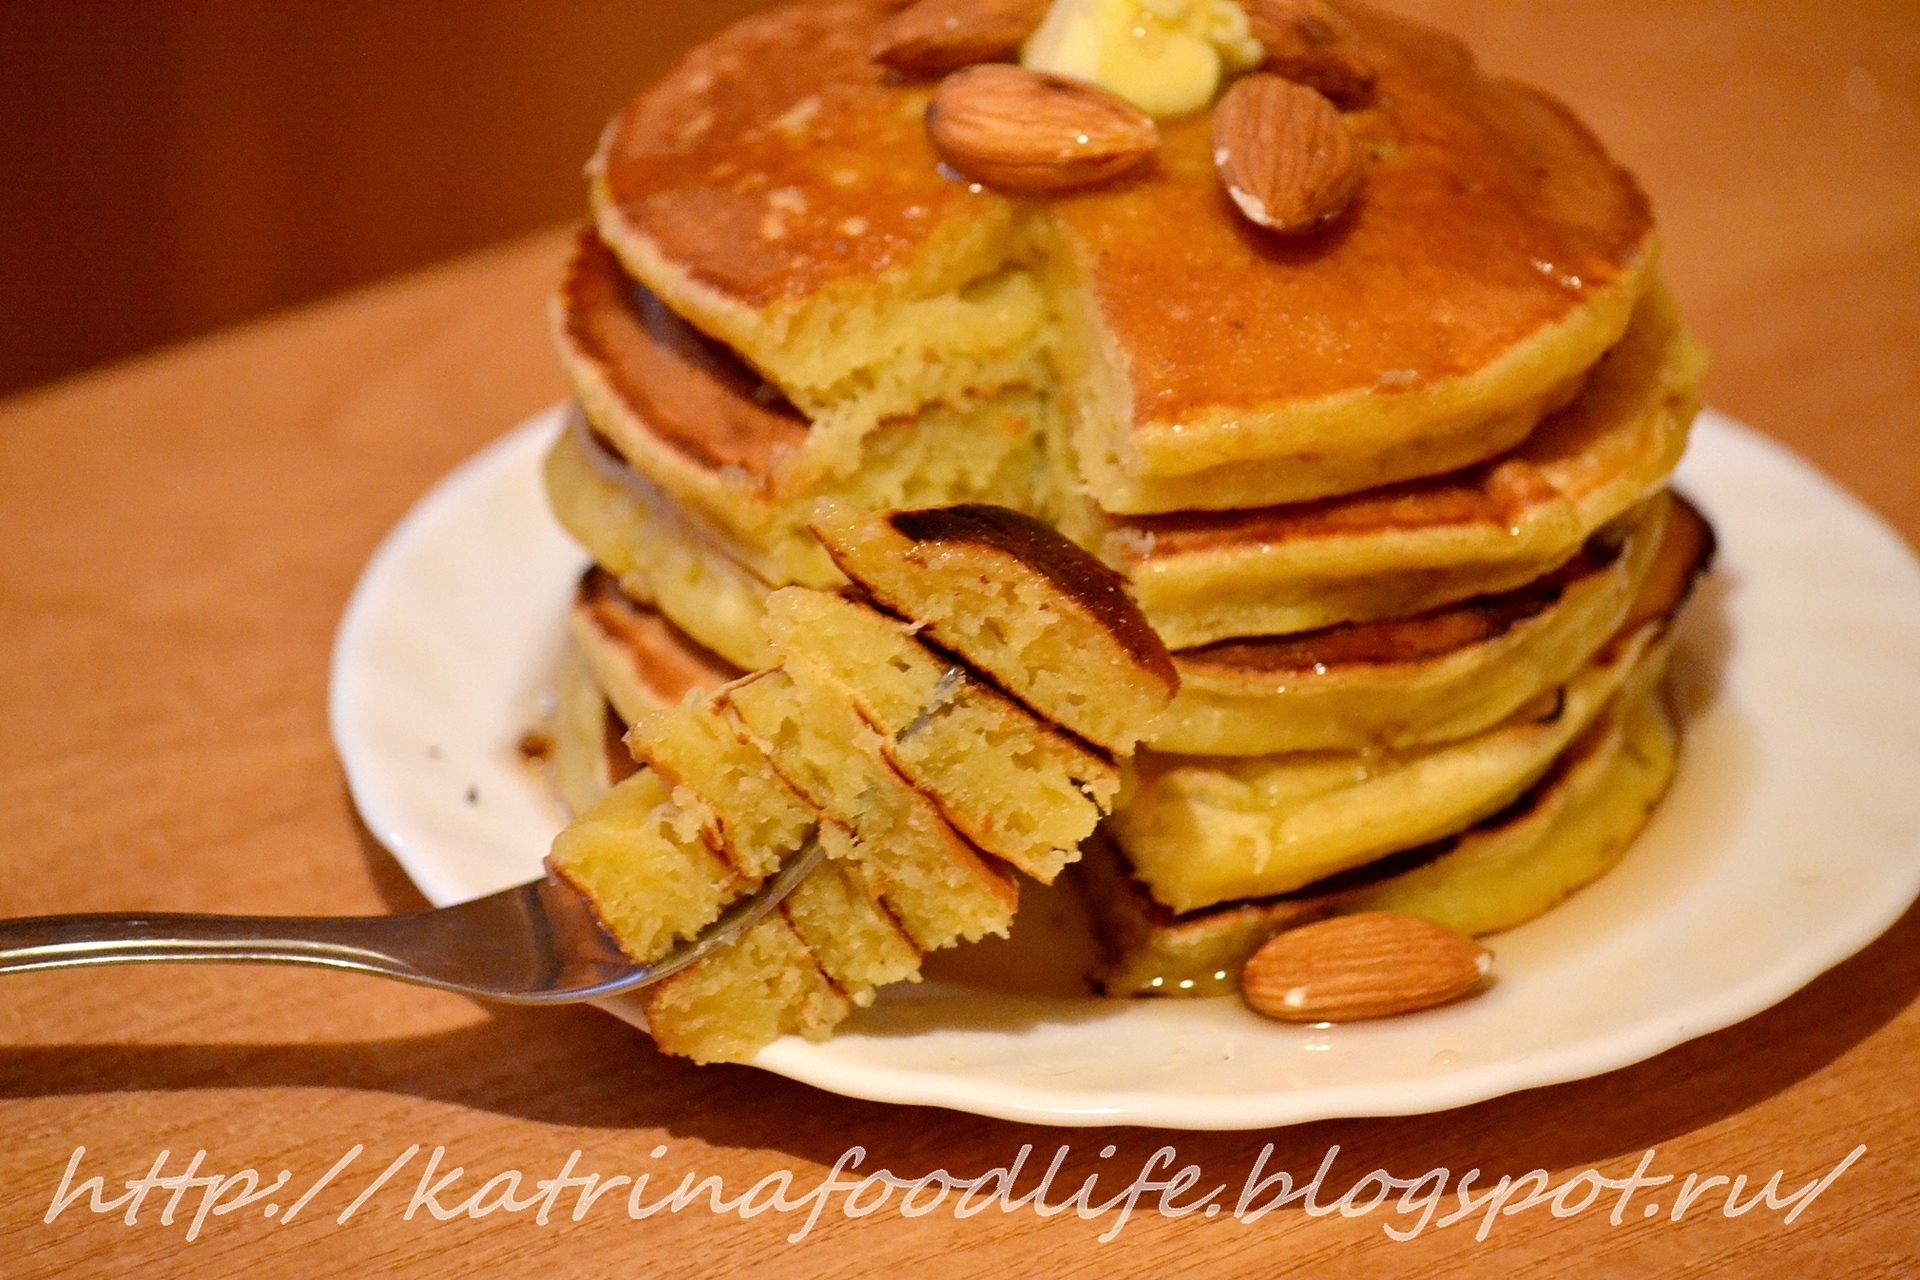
x=364, y=944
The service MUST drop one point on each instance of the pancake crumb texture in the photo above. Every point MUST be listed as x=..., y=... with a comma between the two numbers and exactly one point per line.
x=925, y=782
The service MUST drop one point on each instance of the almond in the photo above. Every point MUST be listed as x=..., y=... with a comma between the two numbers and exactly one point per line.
x=1312, y=43
x=1033, y=133
x=1284, y=154
x=934, y=37
x=1373, y=965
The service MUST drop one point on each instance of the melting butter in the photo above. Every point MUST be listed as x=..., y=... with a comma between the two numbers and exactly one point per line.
x=1167, y=57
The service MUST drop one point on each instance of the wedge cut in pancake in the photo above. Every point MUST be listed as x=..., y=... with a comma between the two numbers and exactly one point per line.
x=757, y=821
x=641, y=856
x=745, y=465
x=838, y=913
x=661, y=854
x=1202, y=830
x=777, y=189
x=636, y=655
x=742, y=808
x=1566, y=832
x=1408, y=548
x=732, y=1004
x=636, y=534
x=1052, y=625
x=1404, y=682
x=1016, y=787
x=940, y=888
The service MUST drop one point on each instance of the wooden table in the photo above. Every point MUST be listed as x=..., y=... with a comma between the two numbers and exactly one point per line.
x=180, y=535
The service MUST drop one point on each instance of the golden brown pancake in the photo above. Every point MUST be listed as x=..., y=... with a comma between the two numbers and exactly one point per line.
x=740, y=460
x=1051, y=624
x=1493, y=253
x=639, y=658
x=1412, y=546
x=777, y=189
x=1200, y=830
x=1563, y=834
x=1401, y=682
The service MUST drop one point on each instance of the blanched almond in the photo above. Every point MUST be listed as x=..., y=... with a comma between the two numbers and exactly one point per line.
x=1312, y=43
x=936, y=36
x=1033, y=133
x=1284, y=154
x=1373, y=965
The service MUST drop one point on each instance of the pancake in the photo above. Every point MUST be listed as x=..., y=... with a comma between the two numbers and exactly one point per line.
x=1563, y=834
x=742, y=462
x=1014, y=785
x=777, y=189
x=1404, y=682
x=1411, y=547
x=636, y=656
x=1052, y=624
x=642, y=539
x=1202, y=830
x=924, y=781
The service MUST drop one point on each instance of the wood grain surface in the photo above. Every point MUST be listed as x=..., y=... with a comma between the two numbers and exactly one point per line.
x=181, y=533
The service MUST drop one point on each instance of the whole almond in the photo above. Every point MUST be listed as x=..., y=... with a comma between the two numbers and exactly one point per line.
x=1033, y=133
x=1284, y=154
x=1372, y=965
x=934, y=37
x=1312, y=43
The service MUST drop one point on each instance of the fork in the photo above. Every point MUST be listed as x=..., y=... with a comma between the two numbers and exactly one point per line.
x=537, y=943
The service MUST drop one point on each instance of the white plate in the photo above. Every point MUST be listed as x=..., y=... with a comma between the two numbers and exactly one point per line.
x=1790, y=840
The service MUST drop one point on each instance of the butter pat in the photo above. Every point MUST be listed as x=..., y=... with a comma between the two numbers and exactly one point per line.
x=1167, y=57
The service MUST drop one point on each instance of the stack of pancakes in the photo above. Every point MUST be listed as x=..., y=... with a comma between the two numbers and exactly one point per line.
x=1393, y=493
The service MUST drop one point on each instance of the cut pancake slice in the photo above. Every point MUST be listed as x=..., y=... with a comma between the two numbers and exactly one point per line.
x=1015, y=786
x=1405, y=682
x=1408, y=548
x=654, y=862
x=1052, y=625
x=746, y=817
x=1563, y=834
x=865, y=740
x=743, y=464
x=734, y=1003
x=941, y=889
x=641, y=855
x=777, y=189
x=663, y=853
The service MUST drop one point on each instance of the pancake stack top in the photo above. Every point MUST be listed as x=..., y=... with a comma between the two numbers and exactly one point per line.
x=1388, y=481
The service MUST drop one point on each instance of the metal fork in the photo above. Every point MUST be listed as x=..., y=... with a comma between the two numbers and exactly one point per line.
x=538, y=943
